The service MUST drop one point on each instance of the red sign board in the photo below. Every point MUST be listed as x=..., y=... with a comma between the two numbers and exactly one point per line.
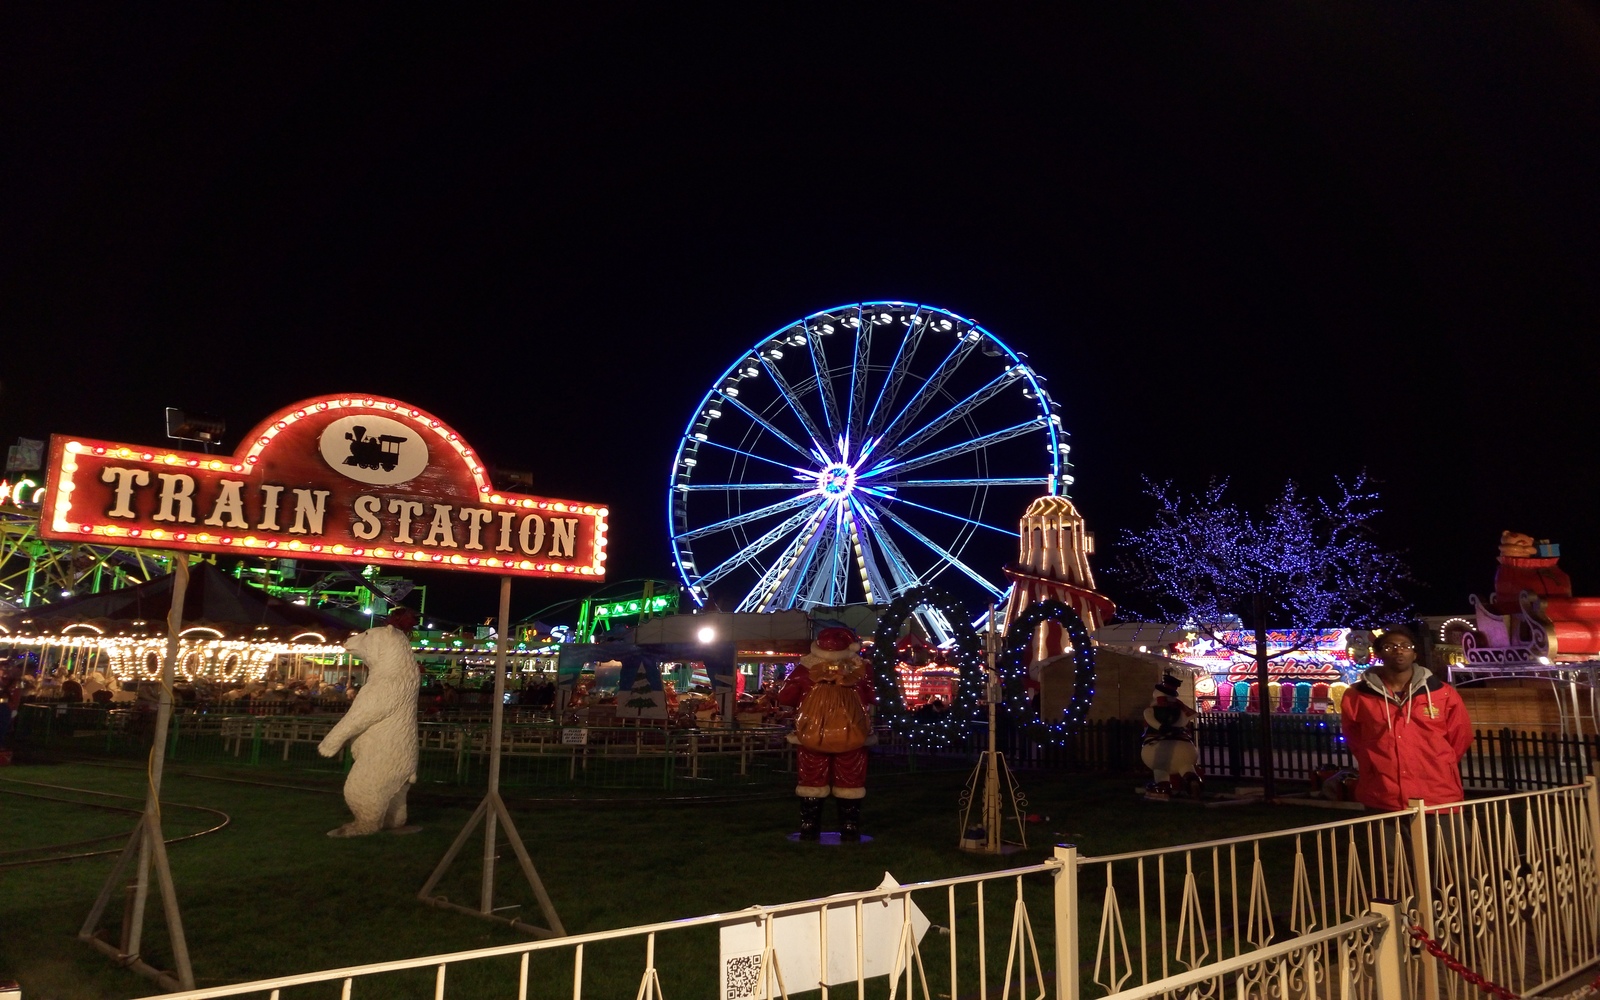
x=349, y=478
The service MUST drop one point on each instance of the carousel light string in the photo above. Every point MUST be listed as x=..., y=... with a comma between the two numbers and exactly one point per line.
x=198, y=659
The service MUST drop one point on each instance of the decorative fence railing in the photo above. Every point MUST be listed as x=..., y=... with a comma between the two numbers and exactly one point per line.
x=542, y=753
x=1359, y=959
x=1230, y=745
x=972, y=935
x=533, y=755
x=1509, y=885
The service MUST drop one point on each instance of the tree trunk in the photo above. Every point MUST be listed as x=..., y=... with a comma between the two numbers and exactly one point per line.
x=1268, y=779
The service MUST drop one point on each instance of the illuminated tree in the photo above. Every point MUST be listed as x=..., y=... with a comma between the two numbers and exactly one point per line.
x=1300, y=564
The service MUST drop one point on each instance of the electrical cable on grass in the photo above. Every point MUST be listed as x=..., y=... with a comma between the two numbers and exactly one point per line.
x=226, y=819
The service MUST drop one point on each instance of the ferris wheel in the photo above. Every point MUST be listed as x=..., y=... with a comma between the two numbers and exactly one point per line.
x=857, y=454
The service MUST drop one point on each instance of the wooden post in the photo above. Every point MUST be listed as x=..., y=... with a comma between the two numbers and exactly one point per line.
x=147, y=841
x=496, y=729
x=1389, y=982
x=492, y=812
x=1422, y=875
x=1591, y=798
x=1269, y=784
x=1066, y=922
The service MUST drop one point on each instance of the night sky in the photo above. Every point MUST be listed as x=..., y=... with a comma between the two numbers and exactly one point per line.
x=1278, y=241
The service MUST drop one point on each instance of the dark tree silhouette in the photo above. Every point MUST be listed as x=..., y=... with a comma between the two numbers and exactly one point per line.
x=1300, y=563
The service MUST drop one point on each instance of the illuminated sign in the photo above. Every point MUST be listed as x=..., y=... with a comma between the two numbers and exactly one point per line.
x=654, y=605
x=350, y=478
x=1319, y=654
x=24, y=492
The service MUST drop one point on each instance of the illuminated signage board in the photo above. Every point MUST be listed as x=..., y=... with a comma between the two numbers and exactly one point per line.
x=1317, y=654
x=25, y=492
x=347, y=478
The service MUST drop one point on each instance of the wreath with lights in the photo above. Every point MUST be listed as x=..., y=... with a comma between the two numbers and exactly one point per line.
x=1016, y=654
x=943, y=731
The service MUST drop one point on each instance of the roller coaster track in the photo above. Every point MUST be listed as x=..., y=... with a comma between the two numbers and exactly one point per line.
x=36, y=570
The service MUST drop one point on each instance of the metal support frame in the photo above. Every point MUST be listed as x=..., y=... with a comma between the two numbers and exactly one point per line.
x=984, y=441
x=492, y=813
x=1387, y=968
x=1066, y=922
x=1422, y=869
x=991, y=767
x=147, y=840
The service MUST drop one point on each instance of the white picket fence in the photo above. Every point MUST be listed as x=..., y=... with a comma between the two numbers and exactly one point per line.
x=1510, y=885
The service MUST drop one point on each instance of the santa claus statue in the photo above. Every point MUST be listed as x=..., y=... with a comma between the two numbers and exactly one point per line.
x=832, y=686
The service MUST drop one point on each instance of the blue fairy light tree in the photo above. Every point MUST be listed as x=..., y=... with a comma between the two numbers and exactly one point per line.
x=1303, y=563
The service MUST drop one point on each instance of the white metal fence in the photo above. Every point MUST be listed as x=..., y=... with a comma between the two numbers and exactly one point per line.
x=1510, y=885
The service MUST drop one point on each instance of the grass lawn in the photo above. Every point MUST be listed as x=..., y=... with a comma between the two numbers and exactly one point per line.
x=271, y=895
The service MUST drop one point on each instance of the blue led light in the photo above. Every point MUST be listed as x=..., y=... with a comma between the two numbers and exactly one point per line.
x=849, y=400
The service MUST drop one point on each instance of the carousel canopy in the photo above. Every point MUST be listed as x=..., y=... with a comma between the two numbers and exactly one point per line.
x=214, y=601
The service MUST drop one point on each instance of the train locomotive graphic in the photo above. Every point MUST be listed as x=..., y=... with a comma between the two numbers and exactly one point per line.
x=380, y=452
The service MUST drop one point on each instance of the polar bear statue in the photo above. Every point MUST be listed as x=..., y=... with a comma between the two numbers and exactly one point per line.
x=381, y=728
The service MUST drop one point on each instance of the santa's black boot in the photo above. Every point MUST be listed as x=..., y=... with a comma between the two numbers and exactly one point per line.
x=810, y=819
x=849, y=819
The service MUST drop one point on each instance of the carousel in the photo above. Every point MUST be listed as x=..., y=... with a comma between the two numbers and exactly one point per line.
x=234, y=634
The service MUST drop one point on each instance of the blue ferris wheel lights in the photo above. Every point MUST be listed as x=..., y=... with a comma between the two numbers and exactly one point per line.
x=874, y=391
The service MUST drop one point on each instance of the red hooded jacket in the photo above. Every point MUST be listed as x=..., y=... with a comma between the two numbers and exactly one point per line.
x=1407, y=746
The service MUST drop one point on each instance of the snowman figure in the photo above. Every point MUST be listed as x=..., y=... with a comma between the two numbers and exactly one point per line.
x=1168, y=745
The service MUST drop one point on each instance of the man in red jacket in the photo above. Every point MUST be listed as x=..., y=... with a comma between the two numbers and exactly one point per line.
x=1407, y=729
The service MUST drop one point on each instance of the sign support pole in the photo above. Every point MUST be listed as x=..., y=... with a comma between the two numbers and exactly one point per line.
x=492, y=812
x=147, y=839
x=991, y=769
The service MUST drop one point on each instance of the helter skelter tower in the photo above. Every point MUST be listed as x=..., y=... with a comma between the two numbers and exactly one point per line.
x=1053, y=565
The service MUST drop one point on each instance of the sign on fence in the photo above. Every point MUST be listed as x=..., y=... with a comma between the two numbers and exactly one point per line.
x=575, y=737
x=797, y=946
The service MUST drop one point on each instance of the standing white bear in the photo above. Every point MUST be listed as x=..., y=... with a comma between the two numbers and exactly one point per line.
x=381, y=727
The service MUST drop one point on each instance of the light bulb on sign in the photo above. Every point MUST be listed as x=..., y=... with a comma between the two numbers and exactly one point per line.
x=707, y=633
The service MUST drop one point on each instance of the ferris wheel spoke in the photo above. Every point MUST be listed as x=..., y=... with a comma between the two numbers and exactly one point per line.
x=871, y=575
x=748, y=554
x=971, y=445
x=1003, y=481
x=941, y=550
x=931, y=387
x=791, y=398
x=809, y=484
x=746, y=454
x=898, y=369
x=858, y=379
x=819, y=364
x=950, y=416
x=769, y=427
x=820, y=580
x=745, y=518
x=1010, y=532
x=787, y=593
x=760, y=596
x=900, y=570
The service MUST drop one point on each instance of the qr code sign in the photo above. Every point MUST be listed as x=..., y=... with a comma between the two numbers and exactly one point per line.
x=741, y=977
